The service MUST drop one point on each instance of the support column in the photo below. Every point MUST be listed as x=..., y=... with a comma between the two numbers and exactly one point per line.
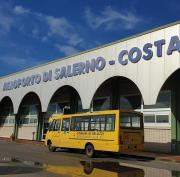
x=178, y=118
x=40, y=126
x=115, y=94
x=16, y=126
x=73, y=102
x=175, y=119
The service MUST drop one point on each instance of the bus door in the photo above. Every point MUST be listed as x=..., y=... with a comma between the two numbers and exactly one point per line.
x=65, y=132
x=55, y=132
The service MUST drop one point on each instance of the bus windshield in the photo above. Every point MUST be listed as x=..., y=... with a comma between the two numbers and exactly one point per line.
x=130, y=120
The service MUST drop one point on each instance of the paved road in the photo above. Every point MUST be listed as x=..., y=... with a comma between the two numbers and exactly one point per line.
x=34, y=160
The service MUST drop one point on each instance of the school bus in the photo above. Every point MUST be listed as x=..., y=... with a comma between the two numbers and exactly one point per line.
x=111, y=130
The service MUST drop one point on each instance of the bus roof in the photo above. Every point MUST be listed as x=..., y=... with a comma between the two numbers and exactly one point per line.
x=60, y=116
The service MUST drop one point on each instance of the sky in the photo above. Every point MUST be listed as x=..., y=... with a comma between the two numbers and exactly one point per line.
x=34, y=32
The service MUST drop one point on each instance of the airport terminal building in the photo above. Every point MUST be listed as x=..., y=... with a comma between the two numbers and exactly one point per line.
x=141, y=73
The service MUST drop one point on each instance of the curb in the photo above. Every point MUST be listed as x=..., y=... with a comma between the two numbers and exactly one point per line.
x=29, y=142
x=22, y=141
x=168, y=159
x=156, y=156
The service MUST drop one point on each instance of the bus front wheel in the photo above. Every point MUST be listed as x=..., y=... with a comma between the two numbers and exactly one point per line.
x=89, y=150
x=50, y=147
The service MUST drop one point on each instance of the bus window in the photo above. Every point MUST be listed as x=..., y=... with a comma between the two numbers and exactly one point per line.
x=125, y=121
x=54, y=125
x=85, y=123
x=110, y=122
x=57, y=125
x=136, y=122
x=51, y=125
x=65, y=124
x=130, y=120
x=97, y=123
x=80, y=123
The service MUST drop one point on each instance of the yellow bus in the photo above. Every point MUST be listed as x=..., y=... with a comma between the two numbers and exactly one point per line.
x=111, y=130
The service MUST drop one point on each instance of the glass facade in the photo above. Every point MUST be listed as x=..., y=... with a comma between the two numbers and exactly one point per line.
x=7, y=117
x=130, y=101
x=58, y=108
x=163, y=101
x=149, y=119
x=160, y=113
x=29, y=115
x=101, y=104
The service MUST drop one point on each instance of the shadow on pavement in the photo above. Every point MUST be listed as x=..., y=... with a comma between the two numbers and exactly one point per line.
x=9, y=170
x=77, y=152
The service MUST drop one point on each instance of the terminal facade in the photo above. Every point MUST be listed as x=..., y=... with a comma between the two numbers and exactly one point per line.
x=141, y=72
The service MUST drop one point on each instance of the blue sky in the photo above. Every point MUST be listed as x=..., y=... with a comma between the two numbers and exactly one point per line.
x=37, y=31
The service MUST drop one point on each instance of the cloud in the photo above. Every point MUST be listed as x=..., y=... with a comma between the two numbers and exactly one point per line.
x=111, y=19
x=38, y=24
x=67, y=50
x=58, y=27
x=35, y=33
x=75, y=40
x=5, y=23
x=6, y=18
x=62, y=28
x=8, y=15
x=44, y=39
x=19, y=62
x=19, y=10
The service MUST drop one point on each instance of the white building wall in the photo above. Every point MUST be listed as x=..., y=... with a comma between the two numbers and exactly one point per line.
x=6, y=131
x=157, y=139
x=27, y=132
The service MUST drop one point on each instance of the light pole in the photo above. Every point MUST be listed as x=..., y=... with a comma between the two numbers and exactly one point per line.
x=65, y=107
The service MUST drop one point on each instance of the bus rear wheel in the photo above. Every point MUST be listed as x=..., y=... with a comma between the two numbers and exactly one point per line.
x=89, y=150
x=50, y=147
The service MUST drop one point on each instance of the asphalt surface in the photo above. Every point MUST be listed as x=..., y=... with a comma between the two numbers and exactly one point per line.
x=34, y=160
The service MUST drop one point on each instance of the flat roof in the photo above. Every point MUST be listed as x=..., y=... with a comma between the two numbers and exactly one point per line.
x=99, y=47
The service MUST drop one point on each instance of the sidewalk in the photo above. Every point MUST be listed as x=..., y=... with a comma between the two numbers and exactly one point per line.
x=173, y=158
x=29, y=141
x=157, y=156
x=23, y=141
